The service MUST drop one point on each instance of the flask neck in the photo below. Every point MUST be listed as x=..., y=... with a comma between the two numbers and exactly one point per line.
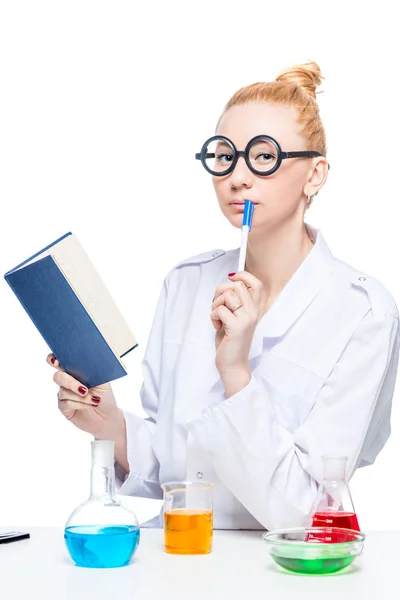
x=102, y=483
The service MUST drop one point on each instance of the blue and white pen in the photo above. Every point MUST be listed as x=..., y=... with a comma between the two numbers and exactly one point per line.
x=246, y=227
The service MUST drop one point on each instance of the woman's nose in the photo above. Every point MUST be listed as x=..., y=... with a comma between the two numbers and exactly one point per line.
x=241, y=174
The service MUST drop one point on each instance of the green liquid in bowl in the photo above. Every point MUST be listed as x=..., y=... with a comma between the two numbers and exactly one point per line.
x=301, y=551
x=316, y=566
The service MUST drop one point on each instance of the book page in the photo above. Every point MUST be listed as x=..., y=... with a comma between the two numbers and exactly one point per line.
x=92, y=292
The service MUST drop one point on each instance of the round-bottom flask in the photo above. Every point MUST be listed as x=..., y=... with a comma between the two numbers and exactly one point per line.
x=102, y=532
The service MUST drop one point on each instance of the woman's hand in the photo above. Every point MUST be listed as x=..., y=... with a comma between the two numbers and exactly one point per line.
x=236, y=310
x=92, y=410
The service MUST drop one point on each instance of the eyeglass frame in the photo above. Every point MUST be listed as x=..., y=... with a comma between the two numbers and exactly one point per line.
x=281, y=155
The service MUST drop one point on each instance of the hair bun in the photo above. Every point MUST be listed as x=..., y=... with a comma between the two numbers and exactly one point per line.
x=307, y=76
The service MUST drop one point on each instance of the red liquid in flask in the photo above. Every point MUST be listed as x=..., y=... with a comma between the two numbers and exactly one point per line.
x=344, y=520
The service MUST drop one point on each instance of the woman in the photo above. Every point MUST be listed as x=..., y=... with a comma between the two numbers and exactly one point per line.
x=250, y=378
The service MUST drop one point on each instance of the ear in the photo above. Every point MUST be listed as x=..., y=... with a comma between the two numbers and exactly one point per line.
x=317, y=176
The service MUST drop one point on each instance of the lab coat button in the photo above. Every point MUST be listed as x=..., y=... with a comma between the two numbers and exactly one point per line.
x=215, y=254
x=362, y=279
x=199, y=475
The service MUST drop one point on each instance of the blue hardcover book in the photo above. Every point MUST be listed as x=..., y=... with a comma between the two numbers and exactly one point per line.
x=72, y=309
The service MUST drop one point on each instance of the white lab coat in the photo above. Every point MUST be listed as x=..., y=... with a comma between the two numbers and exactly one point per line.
x=323, y=360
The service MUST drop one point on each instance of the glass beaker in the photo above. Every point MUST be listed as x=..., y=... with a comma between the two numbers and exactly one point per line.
x=333, y=506
x=102, y=532
x=188, y=517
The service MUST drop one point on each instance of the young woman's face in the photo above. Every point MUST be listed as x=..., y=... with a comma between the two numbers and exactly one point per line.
x=278, y=196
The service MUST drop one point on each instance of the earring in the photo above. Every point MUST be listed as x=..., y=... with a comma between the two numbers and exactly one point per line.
x=310, y=199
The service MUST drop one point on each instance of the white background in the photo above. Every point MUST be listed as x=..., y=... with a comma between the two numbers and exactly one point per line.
x=102, y=108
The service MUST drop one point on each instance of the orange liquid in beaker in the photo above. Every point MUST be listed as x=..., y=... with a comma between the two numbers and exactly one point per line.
x=188, y=531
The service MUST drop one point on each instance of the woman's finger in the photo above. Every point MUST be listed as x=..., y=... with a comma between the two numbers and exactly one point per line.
x=69, y=407
x=239, y=289
x=223, y=315
x=253, y=285
x=52, y=360
x=248, y=279
x=66, y=394
x=247, y=287
x=67, y=381
x=243, y=294
x=229, y=299
x=221, y=289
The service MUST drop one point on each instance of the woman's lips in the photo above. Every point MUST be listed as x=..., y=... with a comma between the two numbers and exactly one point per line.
x=239, y=204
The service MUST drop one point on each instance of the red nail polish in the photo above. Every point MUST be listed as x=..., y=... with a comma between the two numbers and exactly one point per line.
x=231, y=274
x=82, y=390
x=95, y=399
x=53, y=360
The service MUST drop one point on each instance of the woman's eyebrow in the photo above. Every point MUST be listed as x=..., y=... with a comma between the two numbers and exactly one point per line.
x=223, y=144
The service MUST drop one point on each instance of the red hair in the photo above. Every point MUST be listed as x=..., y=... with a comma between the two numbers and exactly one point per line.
x=295, y=86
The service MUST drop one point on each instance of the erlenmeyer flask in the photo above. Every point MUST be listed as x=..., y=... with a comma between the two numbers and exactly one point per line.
x=333, y=506
x=102, y=532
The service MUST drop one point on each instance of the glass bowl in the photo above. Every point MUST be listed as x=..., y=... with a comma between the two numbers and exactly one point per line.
x=314, y=550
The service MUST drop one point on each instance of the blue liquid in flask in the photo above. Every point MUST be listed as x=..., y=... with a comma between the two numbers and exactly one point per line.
x=99, y=546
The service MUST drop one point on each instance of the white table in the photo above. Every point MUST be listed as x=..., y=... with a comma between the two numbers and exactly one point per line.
x=238, y=568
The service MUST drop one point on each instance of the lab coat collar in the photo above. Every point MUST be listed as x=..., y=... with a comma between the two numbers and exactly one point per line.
x=297, y=294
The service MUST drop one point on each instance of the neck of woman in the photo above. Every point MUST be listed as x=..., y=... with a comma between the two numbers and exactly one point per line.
x=274, y=256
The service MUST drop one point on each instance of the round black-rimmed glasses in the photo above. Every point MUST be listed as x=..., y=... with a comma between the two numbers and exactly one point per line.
x=263, y=155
